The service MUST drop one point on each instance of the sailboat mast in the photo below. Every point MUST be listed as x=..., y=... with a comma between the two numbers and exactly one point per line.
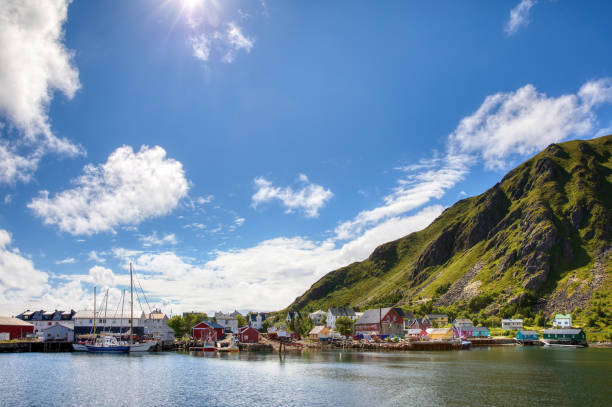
x=94, y=314
x=131, y=305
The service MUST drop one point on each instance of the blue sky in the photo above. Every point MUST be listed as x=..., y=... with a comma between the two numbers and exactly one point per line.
x=236, y=151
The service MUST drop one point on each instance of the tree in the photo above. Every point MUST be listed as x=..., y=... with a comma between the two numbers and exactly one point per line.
x=540, y=319
x=324, y=319
x=266, y=324
x=241, y=320
x=176, y=323
x=306, y=326
x=344, y=325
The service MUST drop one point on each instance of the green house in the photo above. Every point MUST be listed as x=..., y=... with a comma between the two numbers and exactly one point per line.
x=527, y=336
x=565, y=335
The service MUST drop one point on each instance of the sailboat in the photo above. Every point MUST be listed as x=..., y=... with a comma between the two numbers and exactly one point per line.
x=108, y=343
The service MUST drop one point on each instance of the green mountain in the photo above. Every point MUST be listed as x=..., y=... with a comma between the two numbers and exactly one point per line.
x=538, y=241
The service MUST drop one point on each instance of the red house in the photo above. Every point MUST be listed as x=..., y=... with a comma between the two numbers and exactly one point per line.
x=207, y=329
x=16, y=328
x=386, y=321
x=247, y=334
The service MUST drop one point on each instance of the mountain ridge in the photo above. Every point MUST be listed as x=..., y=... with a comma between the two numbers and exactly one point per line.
x=537, y=241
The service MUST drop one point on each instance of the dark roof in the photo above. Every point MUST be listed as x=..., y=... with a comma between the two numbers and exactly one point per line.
x=342, y=311
x=210, y=324
x=372, y=316
x=528, y=332
x=563, y=331
x=436, y=316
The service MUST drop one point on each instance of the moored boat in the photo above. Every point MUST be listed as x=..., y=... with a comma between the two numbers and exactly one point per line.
x=107, y=344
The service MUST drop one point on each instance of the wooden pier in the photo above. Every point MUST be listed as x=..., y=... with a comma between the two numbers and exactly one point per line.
x=32, y=346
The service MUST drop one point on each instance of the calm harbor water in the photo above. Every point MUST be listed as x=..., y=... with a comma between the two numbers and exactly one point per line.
x=502, y=376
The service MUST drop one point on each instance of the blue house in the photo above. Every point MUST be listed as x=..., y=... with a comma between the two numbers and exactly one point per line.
x=527, y=336
x=480, y=332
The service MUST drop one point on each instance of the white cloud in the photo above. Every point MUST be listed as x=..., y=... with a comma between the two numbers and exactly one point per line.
x=213, y=32
x=155, y=240
x=267, y=276
x=309, y=198
x=19, y=279
x=519, y=16
x=525, y=121
x=102, y=276
x=127, y=189
x=201, y=200
x=68, y=260
x=239, y=221
x=95, y=257
x=34, y=65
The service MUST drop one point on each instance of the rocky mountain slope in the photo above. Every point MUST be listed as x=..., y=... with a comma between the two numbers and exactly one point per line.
x=540, y=240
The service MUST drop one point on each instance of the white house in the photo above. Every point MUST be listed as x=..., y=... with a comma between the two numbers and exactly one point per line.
x=44, y=319
x=562, y=321
x=512, y=324
x=316, y=317
x=463, y=323
x=111, y=322
x=227, y=321
x=257, y=319
x=156, y=325
x=334, y=312
x=59, y=332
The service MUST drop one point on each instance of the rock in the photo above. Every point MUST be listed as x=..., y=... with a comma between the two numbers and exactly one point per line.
x=546, y=169
x=535, y=282
x=556, y=151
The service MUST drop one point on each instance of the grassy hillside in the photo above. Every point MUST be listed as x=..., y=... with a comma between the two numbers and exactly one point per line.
x=537, y=242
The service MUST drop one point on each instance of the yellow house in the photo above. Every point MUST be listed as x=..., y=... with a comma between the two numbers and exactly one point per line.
x=440, y=333
x=439, y=319
x=318, y=332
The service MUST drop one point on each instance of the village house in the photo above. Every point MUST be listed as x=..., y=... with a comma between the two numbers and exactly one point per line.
x=418, y=323
x=512, y=323
x=15, y=328
x=59, y=332
x=462, y=323
x=334, y=312
x=257, y=319
x=437, y=319
x=291, y=315
x=228, y=322
x=206, y=330
x=440, y=333
x=247, y=334
x=562, y=321
x=384, y=321
x=527, y=336
x=319, y=332
x=573, y=336
x=316, y=317
x=156, y=326
x=471, y=331
x=416, y=333
x=43, y=319
x=113, y=323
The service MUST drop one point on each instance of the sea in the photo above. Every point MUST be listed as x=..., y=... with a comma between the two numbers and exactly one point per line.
x=495, y=376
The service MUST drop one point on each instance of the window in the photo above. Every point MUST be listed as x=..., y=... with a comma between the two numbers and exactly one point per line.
x=90, y=321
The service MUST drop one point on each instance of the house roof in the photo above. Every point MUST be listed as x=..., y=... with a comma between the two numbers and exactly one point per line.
x=342, y=311
x=413, y=331
x=60, y=325
x=562, y=316
x=463, y=321
x=528, y=332
x=209, y=324
x=372, y=316
x=13, y=321
x=439, y=331
x=317, y=329
x=435, y=316
x=319, y=312
x=572, y=331
x=155, y=315
x=513, y=320
x=88, y=314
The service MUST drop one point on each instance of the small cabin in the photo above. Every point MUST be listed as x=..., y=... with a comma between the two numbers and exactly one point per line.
x=247, y=334
x=527, y=336
x=206, y=330
x=319, y=332
x=440, y=333
x=562, y=321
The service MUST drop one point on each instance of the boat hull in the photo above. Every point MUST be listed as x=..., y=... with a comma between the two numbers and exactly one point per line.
x=142, y=347
x=108, y=349
x=79, y=348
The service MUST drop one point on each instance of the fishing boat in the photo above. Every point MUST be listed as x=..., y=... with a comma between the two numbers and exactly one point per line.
x=107, y=344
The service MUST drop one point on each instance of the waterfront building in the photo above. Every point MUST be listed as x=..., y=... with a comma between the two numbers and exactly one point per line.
x=319, y=332
x=257, y=319
x=415, y=333
x=15, y=327
x=385, y=321
x=462, y=323
x=562, y=321
x=113, y=322
x=235, y=314
x=247, y=334
x=228, y=322
x=527, y=336
x=316, y=317
x=205, y=329
x=418, y=323
x=472, y=331
x=334, y=312
x=59, y=332
x=512, y=323
x=440, y=333
x=572, y=335
x=42, y=319
x=437, y=319
x=156, y=326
